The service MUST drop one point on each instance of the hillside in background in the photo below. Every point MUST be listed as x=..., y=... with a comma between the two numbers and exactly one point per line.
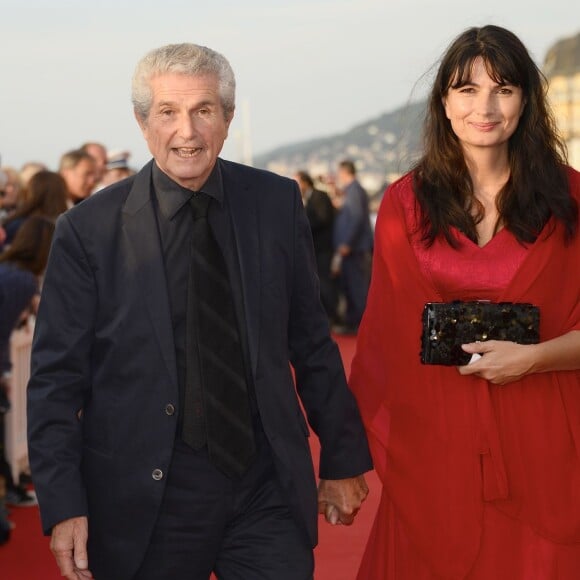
x=385, y=147
x=382, y=147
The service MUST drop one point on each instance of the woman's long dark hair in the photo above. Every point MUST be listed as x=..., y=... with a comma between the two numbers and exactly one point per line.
x=537, y=188
x=46, y=196
x=31, y=245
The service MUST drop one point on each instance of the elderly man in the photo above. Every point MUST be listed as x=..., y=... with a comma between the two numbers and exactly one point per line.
x=164, y=422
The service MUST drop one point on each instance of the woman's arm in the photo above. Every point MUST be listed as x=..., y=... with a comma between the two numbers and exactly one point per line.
x=504, y=362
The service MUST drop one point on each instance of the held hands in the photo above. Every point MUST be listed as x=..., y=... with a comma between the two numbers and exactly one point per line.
x=340, y=499
x=69, y=547
x=502, y=362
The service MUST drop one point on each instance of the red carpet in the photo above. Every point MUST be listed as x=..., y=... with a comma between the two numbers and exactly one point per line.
x=27, y=557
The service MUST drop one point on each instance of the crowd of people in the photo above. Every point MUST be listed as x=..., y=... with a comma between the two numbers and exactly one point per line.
x=167, y=435
x=31, y=199
x=338, y=214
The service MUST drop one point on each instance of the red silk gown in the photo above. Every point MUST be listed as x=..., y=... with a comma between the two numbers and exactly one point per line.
x=480, y=481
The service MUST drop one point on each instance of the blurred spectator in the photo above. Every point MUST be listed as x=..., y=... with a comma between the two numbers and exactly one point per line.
x=21, y=267
x=5, y=524
x=79, y=171
x=28, y=170
x=320, y=213
x=46, y=196
x=9, y=192
x=353, y=243
x=99, y=153
x=117, y=167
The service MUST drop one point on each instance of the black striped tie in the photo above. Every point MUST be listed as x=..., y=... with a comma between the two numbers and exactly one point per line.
x=216, y=405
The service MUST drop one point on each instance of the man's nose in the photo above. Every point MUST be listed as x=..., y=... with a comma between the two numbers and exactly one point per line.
x=187, y=126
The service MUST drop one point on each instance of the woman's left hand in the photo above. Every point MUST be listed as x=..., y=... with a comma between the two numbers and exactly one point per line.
x=501, y=361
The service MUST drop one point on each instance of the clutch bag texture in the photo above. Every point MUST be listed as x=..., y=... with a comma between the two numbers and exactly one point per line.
x=448, y=325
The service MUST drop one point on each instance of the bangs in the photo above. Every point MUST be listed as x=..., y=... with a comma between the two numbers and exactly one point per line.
x=500, y=70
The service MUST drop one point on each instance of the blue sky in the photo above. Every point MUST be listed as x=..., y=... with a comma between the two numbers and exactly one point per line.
x=305, y=68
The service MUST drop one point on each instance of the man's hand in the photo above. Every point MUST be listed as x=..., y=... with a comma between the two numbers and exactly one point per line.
x=69, y=546
x=340, y=499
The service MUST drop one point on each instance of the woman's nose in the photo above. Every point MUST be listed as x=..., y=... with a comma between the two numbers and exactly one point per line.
x=485, y=103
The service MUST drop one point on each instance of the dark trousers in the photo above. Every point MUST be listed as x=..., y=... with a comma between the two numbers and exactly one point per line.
x=355, y=280
x=238, y=529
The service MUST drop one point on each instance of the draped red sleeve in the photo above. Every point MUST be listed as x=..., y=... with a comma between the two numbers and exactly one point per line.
x=445, y=445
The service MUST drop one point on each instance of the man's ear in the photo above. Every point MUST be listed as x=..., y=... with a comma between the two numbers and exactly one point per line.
x=229, y=119
x=140, y=121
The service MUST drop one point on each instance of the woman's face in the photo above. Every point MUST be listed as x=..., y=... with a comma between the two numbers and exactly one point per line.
x=483, y=113
x=11, y=190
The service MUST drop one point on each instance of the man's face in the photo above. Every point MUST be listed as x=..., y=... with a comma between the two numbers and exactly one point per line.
x=99, y=154
x=343, y=177
x=80, y=179
x=186, y=127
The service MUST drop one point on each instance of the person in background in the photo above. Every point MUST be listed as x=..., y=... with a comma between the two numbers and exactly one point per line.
x=46, y=196
x=3, y=181
x=99, y=153
x=353, y=244
x=5, y=524
x=165, y=430
x=21, y=266
x=10, y=192
x=480, y=464
x=78, y=168
x=117, y=168
x=28, y=170
x=320, y=213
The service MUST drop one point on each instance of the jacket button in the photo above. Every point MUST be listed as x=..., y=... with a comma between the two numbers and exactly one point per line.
x=169, y=409
x=157, y=474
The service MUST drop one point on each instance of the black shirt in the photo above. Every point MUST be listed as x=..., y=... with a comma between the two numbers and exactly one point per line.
x=174, y=220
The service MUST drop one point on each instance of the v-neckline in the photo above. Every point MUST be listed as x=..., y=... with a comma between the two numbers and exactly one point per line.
x=476, y=246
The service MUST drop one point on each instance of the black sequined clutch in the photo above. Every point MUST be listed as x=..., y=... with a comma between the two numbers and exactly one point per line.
x=448, y=325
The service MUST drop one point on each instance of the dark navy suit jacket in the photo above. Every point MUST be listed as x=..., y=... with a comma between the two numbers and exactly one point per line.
x=104, y=372
x=352, y=225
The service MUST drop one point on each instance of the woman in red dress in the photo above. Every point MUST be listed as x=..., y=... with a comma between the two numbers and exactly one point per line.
x=480, y=464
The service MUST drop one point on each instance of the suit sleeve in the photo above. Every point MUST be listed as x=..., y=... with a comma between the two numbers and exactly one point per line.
x=320, y=380
x=60, y=380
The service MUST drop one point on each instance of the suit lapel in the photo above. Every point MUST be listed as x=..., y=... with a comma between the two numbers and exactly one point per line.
x=140, y=227
x=245, y=220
